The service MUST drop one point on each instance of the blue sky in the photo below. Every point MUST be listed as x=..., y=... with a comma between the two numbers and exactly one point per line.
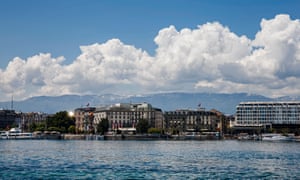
x=55, y=47
x=59, y=27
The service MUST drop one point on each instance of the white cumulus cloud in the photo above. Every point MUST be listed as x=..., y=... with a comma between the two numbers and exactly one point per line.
x=24, y=78
x=209, y=58
x=274, y=62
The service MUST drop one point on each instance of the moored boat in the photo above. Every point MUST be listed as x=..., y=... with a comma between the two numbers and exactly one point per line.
x=275, y=137
x=15, y=133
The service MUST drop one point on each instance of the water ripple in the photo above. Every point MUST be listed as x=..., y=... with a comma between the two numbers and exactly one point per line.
x=148, y=160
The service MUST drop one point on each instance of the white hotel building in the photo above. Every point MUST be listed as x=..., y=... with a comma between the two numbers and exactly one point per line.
x=268, y=113
x=127, y=115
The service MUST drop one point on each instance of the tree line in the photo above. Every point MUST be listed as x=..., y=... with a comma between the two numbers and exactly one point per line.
x=61, y=122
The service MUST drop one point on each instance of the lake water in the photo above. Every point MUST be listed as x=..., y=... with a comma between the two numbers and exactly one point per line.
x=46, y=159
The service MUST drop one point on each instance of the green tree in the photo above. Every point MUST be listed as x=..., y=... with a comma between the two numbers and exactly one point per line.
x=154, y=131
x=55, y=129
x=60, y=121
x=103, y=126
x=142, y=126
x=32, y=127
x=40, y=126
x=71, y=129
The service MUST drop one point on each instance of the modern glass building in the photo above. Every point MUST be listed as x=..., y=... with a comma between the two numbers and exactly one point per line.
x=268, y=113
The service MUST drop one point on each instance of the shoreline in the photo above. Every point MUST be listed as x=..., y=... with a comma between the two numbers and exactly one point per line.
x=138, y=137
x=56, y=136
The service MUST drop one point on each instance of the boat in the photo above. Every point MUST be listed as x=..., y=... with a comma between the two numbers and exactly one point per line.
x=16, y=133
x=275, y=137
x=246, y=136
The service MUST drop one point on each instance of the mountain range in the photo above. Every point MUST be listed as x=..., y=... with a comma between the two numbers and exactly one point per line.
x=225, y=103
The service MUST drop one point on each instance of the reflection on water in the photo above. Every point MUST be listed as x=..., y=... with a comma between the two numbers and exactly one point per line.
x=148, y=160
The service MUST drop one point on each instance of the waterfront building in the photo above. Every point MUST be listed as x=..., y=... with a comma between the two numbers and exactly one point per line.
x=27, y=119
x=186, y=120
x=8, y=118
x=119, y=116
x=268, y=114
x=223, y=121
x=159, y=119
x=127, y=115
x=84, y=118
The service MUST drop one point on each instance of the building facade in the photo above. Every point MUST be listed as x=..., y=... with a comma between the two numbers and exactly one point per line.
x=84, y=118
x=127, y=115
x=268, y=113
x=121, y=115
x=27, y=119
x=181, y=121
x=8, y=118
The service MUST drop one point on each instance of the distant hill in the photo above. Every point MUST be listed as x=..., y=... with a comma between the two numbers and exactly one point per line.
x=225, y=103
